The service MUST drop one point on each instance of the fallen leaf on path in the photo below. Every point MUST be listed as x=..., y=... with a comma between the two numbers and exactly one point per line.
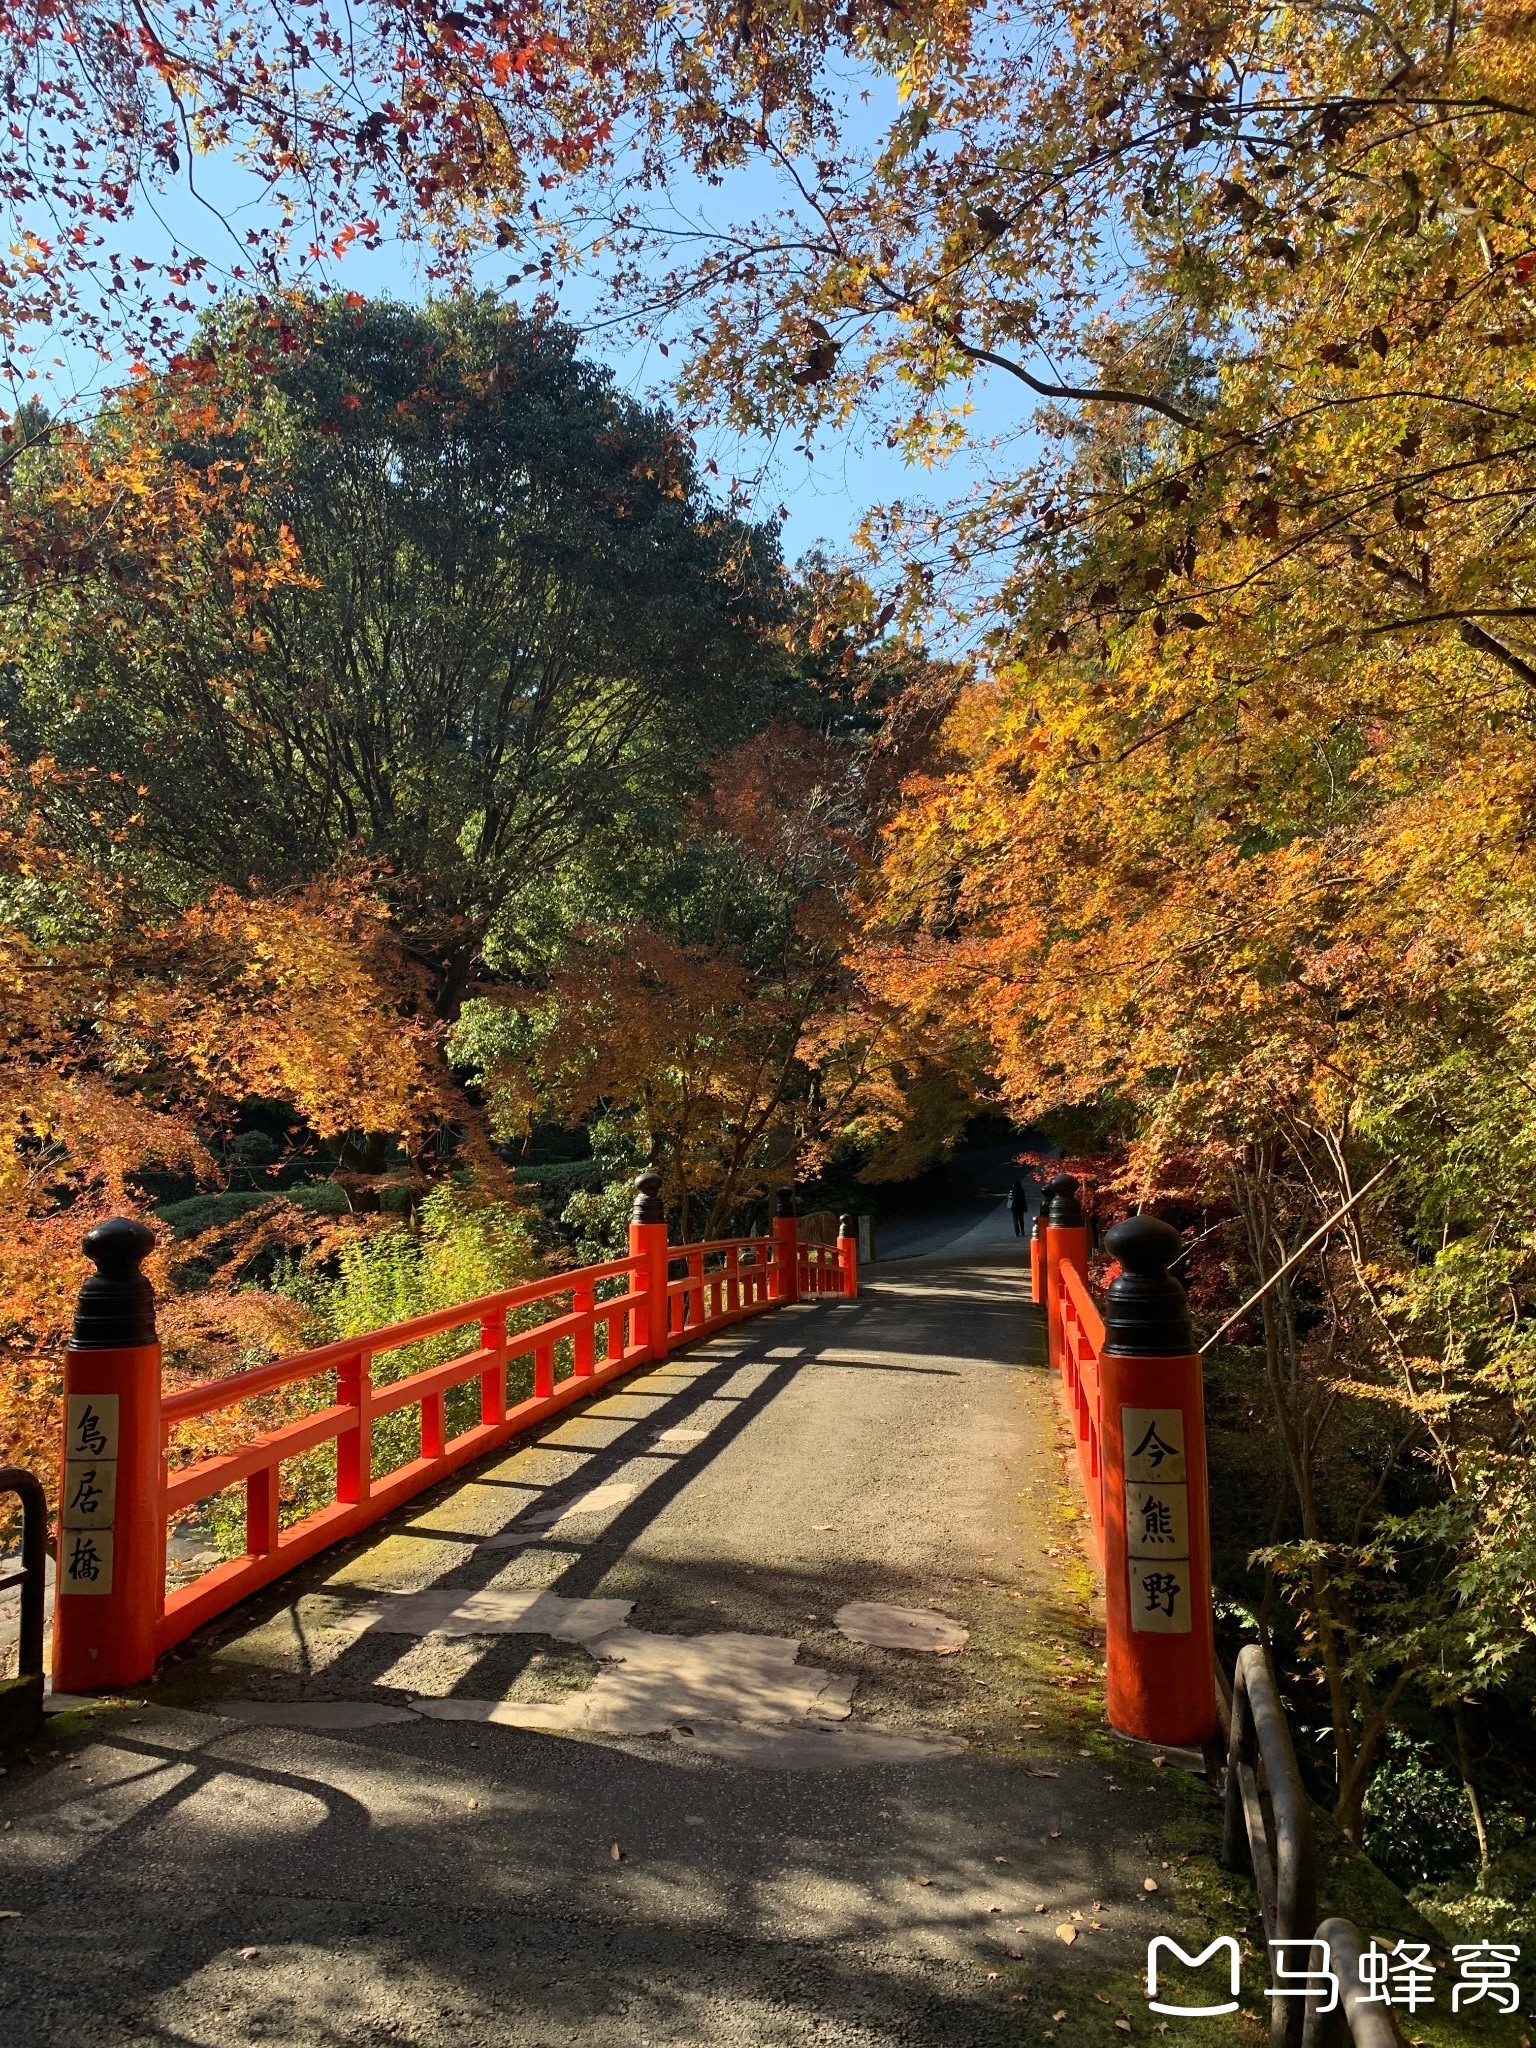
x=922, y=1880
x=10, y=1916
x=615, y=1852
x=992, y=1976
x=1016, y=1953
x=1058, y=2015
x=1124, y=2026
x=1055, y=1835
x=1067, y=1932
x=994, y=1909
x=247, y=1953
x=999, y=1859
x=1039, y=1909
x=1149, y=1884
x=822, y=1528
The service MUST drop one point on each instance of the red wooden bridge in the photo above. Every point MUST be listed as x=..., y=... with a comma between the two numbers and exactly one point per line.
x=844, y=1571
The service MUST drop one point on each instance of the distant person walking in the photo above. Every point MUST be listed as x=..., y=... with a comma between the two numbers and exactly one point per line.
x=1018, y=1207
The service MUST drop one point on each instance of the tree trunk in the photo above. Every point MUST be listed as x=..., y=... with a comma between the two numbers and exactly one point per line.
x=1464, y=1759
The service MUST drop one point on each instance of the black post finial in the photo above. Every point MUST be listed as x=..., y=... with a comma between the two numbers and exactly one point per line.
x=116, y=1306
x=648, y=1207
x=847, y=1226
x=1146, y=1314
x=1058, y=1200
x=784, y=1202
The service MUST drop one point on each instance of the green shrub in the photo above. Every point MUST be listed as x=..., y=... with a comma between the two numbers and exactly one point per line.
x=598, y=1221
x=454, y=1251
x=1418, y=1824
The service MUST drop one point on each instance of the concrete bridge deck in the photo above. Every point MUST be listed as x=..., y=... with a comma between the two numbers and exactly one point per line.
x=708, y=1809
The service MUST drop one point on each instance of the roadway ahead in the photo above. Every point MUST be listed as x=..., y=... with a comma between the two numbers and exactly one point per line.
x=966, y=1215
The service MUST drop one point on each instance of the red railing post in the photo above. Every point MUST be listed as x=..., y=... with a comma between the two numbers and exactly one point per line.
x=694, y=1299
x=1037, y=1256
x=110, y=1587
x=434, y=1426
x=354, y=1446
x=262, y=1505
x=648, y=1241
x=1157, y=1546
x=493, y=1381
x=848, y=1254
x=543, y=1371
x=1066, y=1238
x=786, y=1248
x=583, y=1344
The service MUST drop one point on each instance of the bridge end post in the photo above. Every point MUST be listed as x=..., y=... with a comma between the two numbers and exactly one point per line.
x=648, y=1241
x=110, y=1586
x=848, y=1254
x=786, y=1247
x=1066, y=1241
x=1161, y=1676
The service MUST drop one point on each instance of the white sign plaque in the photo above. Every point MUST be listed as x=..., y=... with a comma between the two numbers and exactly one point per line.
x=90, y=1426
x=85, y=1563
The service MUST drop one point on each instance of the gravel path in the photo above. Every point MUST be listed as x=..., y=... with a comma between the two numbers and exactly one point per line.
x=183, y=1876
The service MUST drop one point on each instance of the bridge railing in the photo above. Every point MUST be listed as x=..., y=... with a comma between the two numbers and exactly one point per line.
x=1082, y=1347
x=1268, y=1822
x=126, y=1479
x=558, y=1346
x=1132, y=1388
x=1268, y=1831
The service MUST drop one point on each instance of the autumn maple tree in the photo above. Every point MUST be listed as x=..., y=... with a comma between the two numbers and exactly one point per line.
x=1233, y=841
x=131, y=1039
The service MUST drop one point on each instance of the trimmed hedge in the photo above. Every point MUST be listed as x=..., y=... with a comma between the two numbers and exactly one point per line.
x=207, y=1212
